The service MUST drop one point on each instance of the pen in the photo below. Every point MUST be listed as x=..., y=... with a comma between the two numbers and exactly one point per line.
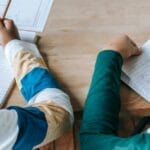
x=6, y=9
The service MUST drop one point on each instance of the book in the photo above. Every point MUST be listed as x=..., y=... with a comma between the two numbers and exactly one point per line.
x=136, y=72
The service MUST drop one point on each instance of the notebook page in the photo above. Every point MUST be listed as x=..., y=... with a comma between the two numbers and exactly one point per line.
x=3, y=4
x=28, y=14
x=28, y=36
x=136, y=72
x=6, y=75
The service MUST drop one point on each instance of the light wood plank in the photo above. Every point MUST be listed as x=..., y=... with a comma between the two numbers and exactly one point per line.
x=65, y=142
x=75, y=32
x=50, y=146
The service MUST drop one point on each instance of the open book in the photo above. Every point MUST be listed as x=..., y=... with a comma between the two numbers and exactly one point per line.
x=136, y=72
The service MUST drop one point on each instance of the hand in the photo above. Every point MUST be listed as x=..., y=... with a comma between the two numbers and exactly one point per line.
x=8, y=31
x=125, y=46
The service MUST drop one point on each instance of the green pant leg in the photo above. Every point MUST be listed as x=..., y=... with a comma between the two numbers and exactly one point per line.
x=101, y=114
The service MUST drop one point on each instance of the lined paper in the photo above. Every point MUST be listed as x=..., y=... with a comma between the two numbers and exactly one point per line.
x=28, y=15
x=136, y=72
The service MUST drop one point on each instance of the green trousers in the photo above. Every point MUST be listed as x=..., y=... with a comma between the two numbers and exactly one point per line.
x=101, y=114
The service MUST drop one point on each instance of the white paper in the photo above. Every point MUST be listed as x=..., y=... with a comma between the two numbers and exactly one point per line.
x=6, y=73
x=3, y=4
x=6, y=77
x=28, y=36
x=28, y=14
x=136, y=72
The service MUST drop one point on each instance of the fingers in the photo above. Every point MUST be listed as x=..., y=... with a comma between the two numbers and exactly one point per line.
x=9, y=24
x=136, y=51
x=1, y=23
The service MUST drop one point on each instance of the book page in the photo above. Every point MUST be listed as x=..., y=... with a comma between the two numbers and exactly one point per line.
x=6, y=75
x=137, y=72
x=3, y=4
x=28, y=14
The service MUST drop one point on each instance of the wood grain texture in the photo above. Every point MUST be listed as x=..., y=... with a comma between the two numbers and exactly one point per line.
x=75, y=31
x=66, y=142
x=69, y=141
x=50, y=146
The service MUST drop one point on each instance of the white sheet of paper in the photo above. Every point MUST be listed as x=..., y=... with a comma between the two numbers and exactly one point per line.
x=3, y=3
x=28, y=14
x=136, y=72
x=28, y=36
x=6, y=75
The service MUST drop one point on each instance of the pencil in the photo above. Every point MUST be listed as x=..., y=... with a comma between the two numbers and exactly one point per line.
x=6, y=9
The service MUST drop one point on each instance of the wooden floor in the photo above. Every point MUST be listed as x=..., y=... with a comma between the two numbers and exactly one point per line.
x=75, y=31
x=70, y=140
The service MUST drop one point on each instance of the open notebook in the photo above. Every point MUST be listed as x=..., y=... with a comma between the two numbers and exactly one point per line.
x=28, y=15
x=136, y=72
x=6, y=75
